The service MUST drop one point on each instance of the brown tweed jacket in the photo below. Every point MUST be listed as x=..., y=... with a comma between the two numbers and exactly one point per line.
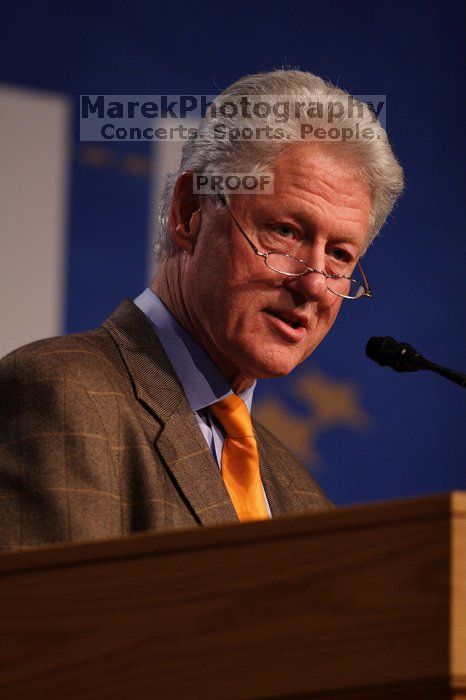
x=97, y=440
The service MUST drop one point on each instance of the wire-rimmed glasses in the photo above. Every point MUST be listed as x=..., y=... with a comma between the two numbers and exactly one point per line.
x=285, y=264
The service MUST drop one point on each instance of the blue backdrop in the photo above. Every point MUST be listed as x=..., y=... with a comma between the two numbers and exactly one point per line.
x=365, y=431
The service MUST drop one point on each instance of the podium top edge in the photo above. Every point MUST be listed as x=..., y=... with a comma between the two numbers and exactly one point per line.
x=458, y=502
x=441, y=506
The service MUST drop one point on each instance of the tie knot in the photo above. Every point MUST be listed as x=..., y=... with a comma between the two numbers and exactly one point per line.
x=234, y=416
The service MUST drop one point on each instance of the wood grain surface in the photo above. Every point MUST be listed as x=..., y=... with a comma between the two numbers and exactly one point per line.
x=365, y=602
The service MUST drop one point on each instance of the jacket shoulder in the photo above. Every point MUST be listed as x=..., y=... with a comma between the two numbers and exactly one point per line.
x=90, y=357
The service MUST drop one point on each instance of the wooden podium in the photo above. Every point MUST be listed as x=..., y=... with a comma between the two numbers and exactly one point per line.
x=364, y=602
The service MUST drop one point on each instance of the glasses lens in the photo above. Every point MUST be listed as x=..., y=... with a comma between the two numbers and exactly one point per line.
x=286, y=264
x=346, y=287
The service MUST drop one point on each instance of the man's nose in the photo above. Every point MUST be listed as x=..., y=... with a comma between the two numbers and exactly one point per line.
x=312, y=285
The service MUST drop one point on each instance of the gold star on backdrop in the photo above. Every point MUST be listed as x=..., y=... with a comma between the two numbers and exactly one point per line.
x=327, y=403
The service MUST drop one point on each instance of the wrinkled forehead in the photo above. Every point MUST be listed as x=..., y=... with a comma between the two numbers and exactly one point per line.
x=302, y=162
x=313, y=185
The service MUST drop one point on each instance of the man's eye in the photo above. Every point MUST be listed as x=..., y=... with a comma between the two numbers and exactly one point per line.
x=284, y=231
x=341, y=255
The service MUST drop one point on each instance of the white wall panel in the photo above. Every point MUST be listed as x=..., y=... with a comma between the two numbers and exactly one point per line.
x=34, y=156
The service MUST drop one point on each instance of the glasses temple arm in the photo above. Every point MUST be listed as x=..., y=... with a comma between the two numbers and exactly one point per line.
x=368, y=290
x=224, y=201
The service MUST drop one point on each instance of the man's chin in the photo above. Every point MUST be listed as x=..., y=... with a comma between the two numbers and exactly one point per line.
x=268, y=368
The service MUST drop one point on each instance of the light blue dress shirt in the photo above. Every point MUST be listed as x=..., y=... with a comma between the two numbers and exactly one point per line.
x=202, y=382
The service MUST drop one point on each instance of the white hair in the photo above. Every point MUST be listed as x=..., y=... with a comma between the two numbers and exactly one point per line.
x=374, y=161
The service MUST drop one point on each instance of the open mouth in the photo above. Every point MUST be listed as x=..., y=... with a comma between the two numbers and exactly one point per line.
x=293, y=323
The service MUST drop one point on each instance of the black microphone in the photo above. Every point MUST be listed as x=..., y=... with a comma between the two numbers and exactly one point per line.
x=402, y=357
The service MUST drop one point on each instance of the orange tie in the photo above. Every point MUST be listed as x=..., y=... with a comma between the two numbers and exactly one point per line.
x=240, y=459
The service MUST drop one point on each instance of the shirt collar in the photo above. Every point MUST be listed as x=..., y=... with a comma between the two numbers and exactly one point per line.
x=201, y=380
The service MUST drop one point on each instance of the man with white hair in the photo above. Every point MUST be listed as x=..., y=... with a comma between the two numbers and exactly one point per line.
x=144, y=424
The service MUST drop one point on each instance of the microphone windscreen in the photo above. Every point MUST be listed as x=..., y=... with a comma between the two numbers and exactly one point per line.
x=388, y=352
x=384, y=351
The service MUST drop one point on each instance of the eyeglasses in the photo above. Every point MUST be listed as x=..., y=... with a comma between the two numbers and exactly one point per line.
x=285, y=264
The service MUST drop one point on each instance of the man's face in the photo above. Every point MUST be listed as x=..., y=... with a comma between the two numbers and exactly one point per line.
x=255, y=322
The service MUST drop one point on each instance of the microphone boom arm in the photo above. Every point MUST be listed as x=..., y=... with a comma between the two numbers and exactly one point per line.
x=402, y=357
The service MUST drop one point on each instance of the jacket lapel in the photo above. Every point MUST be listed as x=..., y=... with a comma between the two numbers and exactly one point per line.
x=289, y=487
x=177, y=437
x=275, y=478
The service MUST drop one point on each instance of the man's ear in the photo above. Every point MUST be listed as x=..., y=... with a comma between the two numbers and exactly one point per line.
x=185, y=214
